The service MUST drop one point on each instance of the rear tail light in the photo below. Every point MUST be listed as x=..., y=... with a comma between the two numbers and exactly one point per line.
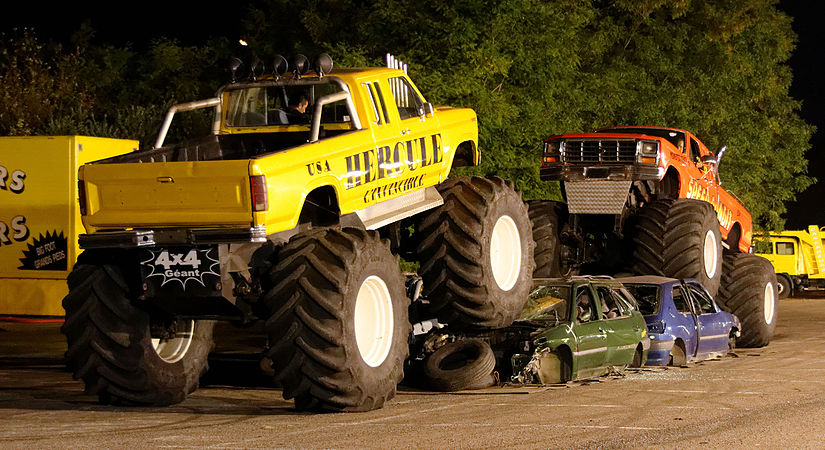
x=81, y=196
x=657, y=327
x=260, y=200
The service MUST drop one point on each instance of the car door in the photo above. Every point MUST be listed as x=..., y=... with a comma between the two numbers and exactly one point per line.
x=589, y=329
x=688, y=322
x=712, y=334
x=621, y=335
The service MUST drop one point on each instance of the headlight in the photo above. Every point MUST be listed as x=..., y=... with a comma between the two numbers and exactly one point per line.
x=552, y=152
x=647, y=152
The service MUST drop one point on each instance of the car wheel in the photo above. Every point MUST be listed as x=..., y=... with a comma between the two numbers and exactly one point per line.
x=749, y=291
x=464, y=364
x=338, y=325
x=124, y=354
x=783, y=286
x=679, y=239
x=544, y=215
x=637, y=358
x=678, y=357
x=476, y=253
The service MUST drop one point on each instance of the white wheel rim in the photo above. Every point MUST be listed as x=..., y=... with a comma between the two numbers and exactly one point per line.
x=174, y=349
x=711, y=253
x=505, y=253
x=780, y=288
x=374, y=325
x=769, y=303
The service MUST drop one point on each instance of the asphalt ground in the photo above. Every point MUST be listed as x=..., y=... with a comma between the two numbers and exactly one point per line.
x=771, y=397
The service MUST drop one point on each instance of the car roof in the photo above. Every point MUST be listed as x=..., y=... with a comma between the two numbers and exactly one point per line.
x=648, y=279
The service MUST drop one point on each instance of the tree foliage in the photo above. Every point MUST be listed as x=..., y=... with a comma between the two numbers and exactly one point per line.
x=530, y=69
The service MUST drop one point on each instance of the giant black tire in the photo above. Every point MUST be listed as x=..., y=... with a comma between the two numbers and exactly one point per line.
x=339, y=325
x=749, y=291
x=459, y=365
x=110, y=346
x=476, y=253
x=679, y=238
x=784, y=286
x=544, y=216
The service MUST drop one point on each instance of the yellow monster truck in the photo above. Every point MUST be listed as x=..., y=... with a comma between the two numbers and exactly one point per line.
x=293, y=211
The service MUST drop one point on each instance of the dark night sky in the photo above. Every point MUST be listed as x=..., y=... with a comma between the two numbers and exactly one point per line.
x=192, y=23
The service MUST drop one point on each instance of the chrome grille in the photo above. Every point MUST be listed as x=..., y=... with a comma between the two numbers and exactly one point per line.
x=594, y=151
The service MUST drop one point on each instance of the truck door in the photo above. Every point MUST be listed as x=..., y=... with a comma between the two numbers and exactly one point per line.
x=420, y=142
x=702, y=183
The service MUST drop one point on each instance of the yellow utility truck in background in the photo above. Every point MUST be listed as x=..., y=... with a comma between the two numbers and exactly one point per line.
x=39, y=217
x=797, y=257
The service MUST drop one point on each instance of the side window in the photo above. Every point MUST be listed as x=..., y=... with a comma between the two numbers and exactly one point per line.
x=627, y=304
x=374, y=102
x=611, y=308
x=784, y=248
x=702, y=299
x=695, y=156
x=406, y=99
x=585, y=309
x=680, y=300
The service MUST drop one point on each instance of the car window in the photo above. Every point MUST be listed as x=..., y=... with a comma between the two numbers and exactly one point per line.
x=703, y=301
x=611, y=305
x=647, y=297
x=627, y=304
x=547, y=302
x=406, y=99
x=784, y=248
x=585, y=307
x=695, y=154
x=680, y=300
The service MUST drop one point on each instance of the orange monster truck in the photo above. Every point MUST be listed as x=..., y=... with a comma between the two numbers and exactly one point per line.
x=648, y=200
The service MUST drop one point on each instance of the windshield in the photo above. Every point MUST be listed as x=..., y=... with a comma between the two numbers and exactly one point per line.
x=548, y=303
x=675, y=137
x=260, y=106
x=647, y=297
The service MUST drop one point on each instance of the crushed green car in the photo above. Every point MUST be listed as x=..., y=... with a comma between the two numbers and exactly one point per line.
x=571, y=328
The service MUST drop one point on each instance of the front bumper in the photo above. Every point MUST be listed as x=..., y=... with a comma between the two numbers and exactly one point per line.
x=659, y=353
x=615, y=172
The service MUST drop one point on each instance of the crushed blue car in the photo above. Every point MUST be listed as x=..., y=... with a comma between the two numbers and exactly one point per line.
x=684, y=322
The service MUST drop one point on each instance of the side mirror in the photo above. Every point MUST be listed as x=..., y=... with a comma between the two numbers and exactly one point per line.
x=428, y=109
x=710, y=160
x=721, y=153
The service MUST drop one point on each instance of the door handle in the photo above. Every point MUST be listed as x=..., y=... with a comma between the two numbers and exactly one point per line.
x=405, y=131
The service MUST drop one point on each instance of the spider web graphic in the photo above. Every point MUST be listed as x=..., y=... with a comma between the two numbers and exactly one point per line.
x=183, y=280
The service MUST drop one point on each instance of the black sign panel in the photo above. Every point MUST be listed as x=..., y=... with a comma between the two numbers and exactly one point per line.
x=181, y=271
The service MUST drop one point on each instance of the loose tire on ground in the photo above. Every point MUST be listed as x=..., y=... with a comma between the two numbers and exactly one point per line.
x=476, y=253
x=110, y=346
x=749, y=291
x=784, y=286
x=339, y=324
x=459, y=365
x=544, y=216
x=679, y=238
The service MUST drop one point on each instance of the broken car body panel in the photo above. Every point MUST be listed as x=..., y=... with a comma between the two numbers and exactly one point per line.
x=681, y=312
